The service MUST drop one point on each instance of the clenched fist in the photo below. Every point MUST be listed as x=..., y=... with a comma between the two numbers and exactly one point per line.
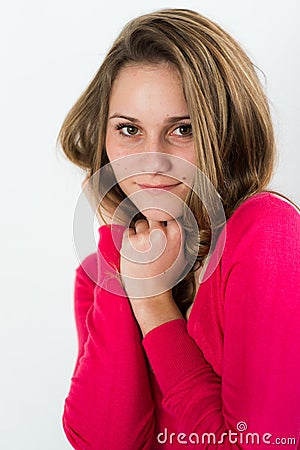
x=152, y=258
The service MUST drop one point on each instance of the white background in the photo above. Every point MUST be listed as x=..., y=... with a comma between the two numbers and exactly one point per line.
x=49, y=53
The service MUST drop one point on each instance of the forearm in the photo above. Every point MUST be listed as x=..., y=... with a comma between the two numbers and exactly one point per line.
x=111, y=375
x=110, y=381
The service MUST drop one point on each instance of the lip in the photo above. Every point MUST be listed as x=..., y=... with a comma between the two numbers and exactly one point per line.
x=166, y=187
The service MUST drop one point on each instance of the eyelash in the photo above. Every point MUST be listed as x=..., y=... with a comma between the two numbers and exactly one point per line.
x=120, y=126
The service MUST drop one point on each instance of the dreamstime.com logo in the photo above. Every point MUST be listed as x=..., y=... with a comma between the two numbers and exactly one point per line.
x=233, y=437
x=142, y=166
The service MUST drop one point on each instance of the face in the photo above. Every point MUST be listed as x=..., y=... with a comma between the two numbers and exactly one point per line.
x=149, y=128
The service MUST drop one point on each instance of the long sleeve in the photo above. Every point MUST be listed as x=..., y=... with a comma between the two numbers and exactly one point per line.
x=259, y=384
x=109, y=405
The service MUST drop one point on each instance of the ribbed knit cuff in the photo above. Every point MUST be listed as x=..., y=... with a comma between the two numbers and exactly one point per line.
x=172, y=353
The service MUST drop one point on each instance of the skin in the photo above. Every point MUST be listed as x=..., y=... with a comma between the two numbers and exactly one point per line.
x=144, y=101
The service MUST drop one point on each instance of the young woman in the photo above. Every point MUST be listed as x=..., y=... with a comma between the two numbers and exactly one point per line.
x=169, y=359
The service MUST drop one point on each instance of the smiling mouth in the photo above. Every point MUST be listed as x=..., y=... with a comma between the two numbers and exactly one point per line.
x=158, y=186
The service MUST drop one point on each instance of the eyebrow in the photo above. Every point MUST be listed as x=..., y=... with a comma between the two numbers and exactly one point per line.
x=167, y=121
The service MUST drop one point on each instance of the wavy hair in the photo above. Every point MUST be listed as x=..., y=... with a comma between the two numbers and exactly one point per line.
x=230, y=117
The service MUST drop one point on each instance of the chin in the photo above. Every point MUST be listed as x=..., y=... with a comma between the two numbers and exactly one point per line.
x=158, y=215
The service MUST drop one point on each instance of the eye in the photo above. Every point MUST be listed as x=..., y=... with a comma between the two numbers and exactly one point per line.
x=128, y=130
x=183, y=130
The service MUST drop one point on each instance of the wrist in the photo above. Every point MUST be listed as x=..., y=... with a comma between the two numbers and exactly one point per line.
x=152, y=312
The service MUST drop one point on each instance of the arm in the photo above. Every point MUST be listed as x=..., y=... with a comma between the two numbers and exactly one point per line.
x=109, y=405
x=261, y=368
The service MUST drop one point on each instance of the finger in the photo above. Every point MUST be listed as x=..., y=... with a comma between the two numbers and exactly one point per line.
x=176, y=222
x=126, y=240
x=141, y=225
x=155, y=223
x=175, y=229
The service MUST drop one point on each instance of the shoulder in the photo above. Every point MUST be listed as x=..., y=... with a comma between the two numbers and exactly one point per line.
x=262, y=225
x=265, y=206
x=265, y=212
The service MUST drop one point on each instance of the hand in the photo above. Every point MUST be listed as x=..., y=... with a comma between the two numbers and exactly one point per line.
x=152, y=258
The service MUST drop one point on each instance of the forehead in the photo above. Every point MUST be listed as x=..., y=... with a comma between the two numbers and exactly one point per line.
x=148, y=86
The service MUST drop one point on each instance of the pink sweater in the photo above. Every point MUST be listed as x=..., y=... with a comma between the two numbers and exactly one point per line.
x=233, y=364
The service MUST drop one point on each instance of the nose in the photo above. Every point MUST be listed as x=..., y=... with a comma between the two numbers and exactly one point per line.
x=155, y=162
x=154, y=159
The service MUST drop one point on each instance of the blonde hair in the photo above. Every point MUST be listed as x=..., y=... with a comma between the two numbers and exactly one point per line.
x=229, y=112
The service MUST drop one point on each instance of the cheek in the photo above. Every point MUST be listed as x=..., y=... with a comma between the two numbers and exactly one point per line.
x=125, y=186
x=189, y=155
x=115, y=150
x=111, y=147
